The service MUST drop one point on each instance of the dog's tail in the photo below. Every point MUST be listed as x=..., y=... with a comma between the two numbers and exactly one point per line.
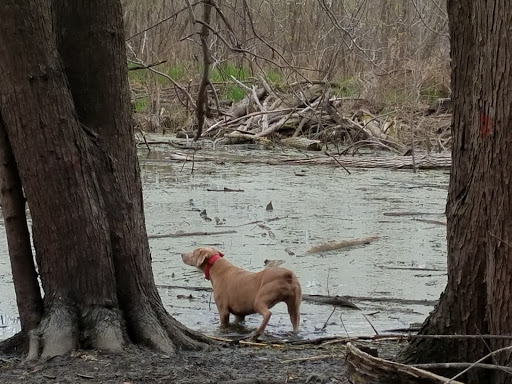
x=294, y=303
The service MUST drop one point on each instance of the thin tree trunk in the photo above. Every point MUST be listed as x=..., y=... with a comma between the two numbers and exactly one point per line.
x=24, y=276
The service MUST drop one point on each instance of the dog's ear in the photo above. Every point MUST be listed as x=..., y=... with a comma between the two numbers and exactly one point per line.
x=201, y=255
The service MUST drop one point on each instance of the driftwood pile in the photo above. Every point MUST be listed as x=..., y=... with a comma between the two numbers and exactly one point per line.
x=305, y=117
x=309, y=116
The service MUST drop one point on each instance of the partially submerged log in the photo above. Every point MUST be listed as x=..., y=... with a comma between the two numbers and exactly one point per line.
x=190, y=234
x=335, y=245
x=364, y=368
x=337, y=301
x=302, y=143
x=422, y=161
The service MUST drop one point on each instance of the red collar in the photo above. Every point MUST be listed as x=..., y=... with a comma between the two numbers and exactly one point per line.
x=209, y=264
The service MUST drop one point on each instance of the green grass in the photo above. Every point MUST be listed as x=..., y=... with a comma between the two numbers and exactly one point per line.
x=347, y=88
x=235, y=92
x=275, y=78
x=432, y=93
x=224, y=72
x=177, y=72
x=141, y=105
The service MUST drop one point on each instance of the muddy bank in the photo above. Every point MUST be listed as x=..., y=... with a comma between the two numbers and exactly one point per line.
x=223, y=363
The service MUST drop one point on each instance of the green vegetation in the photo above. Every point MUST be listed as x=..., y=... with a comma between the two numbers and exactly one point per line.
x=347, y=88
x=275, y=78
x=225, y=72
x=432, y=93
x=140, y=105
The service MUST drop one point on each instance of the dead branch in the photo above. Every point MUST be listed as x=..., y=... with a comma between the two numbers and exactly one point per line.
x=341, y=244
x=365, y=368
x=185, y=234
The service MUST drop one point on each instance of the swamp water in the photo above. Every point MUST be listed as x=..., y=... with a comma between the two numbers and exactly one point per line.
x=323, y=204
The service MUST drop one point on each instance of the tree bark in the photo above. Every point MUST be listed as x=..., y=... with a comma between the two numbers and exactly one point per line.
x=66, y=107
x=24, y=276
x=69, y=223
x=90, y=80
x=477, y=299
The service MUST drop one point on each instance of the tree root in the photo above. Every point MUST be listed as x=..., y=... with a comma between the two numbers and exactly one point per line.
x=103, y=330
x=58, y=332
x=64, y=328
x=15, y=344
x=155, y=328
x=145, y=328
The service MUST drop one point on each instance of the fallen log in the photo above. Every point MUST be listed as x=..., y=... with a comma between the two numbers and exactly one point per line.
x=427, y=161
x=241, y=108
x=302, y=143
x=363, y=368
x=342, y=301
x=341, y=244
x=185, y=234
x=225, y=189
x=394, y=300
x=337, y=301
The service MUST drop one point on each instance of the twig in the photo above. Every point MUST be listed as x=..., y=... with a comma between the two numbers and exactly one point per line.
x=85, y=376
x=163, y=20
x=336, y=160
x=319, y=357
x=478, y=362
x=343, y=325
x=171, y=80
x=436, y=366
x=326, y=321
x=142, y=66
x=144, y=138
x=371, y=325
x=245, y=342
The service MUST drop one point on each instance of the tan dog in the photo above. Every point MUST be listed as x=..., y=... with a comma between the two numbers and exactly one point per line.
x=243, y=293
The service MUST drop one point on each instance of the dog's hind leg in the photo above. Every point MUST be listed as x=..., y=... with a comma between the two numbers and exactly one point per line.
x=262, y=309
x=293, y=304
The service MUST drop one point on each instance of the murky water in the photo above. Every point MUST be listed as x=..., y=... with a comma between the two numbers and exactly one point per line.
x=322, y=204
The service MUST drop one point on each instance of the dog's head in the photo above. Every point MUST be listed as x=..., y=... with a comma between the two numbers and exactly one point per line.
x=199, y=256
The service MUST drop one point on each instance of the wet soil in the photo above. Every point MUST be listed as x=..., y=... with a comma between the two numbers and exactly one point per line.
x=223, y=363
x=227, y=364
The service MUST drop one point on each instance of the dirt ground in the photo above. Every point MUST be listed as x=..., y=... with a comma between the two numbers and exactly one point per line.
x=225, y=363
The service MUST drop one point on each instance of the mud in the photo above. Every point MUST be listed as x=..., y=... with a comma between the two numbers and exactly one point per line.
x=223, y=363
x=227, y=364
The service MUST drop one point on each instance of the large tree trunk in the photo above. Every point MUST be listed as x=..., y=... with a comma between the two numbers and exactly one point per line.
x=91, y=80
x=75, y=151
x=69, y=223
x=478, y=296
